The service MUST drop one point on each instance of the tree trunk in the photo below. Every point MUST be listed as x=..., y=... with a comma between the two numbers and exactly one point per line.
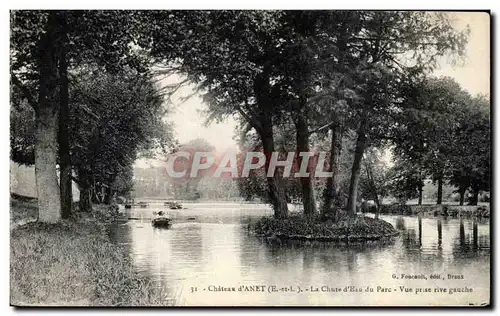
x=475, y=197
x=49, y=205
x=420, y=194
x=371, y=181
x=96, y=193
x=308, y=199
x=275, y=186
x=330, y=197
x=440, y=190
x=355, y=171
x=85, y=204
x=420, y=186
x=64, y=155
x=263, y=124
x=461, y=191
x=108, y=197
x=330, y=192
x=46, y=117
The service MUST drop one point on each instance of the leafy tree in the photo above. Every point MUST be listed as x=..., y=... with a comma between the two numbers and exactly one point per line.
x=470, y=152
x=404, y=181
x=22, y=134
x=33, y=42
x=115, y=118
x=123, y=183
x=373, y=182
x=443, y=100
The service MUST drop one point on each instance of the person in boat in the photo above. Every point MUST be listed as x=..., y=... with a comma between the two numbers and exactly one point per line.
x=159, y=214
x=174, y=205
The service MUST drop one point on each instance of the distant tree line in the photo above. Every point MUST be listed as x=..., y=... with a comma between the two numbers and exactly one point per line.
x=156, y=182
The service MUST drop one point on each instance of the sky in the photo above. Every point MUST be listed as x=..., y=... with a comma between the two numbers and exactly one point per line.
x=189, y=122
x=473, y=75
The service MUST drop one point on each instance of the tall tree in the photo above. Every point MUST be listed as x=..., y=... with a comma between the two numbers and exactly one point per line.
x=470, y=152
x=115, y=119
x=427, y=134
x=65, y=170
x=404, y=180
x=46, y=117
x=340, y=28
x=34, y=39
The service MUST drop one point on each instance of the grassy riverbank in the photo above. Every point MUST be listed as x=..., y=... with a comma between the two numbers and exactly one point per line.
x=302, y=228
x=73, y=263
x=429, y=210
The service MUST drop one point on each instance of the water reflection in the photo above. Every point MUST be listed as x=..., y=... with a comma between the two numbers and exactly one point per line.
x=462, y=232
x=420, y=229
x=216, y=250
x=440, y=231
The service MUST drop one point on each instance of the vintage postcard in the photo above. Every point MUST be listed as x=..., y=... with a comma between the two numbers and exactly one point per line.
x=250, y=158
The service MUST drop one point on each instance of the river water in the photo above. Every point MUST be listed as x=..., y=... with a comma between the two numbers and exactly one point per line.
x=209, y=248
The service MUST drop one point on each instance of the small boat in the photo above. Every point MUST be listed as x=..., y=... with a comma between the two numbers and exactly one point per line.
x=143, y=204
x=162, y=222
x=173, y=205
x=130, y=203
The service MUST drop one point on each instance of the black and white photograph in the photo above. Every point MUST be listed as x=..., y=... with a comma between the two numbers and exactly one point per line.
x=250, y=158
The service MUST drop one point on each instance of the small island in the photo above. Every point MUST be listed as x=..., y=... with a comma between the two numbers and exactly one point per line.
x=315, y=229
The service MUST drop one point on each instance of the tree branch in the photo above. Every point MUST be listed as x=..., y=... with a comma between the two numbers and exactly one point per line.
x=77, y=181
x=24, y=90
x=322, y=128
x=250, y=119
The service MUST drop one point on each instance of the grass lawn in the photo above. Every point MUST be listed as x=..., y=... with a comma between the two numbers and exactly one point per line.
x=73, y=263
x=22, y=211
